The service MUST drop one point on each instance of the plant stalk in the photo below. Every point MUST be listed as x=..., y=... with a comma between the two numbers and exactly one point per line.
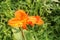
x=22, y=33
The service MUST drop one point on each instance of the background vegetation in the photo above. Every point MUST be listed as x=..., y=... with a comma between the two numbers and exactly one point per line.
x=49, y=10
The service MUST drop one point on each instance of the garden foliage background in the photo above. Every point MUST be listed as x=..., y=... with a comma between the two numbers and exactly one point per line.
x=49, y=10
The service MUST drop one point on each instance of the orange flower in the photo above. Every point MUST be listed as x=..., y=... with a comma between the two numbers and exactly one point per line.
x=22, y=19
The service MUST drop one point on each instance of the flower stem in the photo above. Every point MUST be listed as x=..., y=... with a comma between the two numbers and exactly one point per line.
x=22, y=33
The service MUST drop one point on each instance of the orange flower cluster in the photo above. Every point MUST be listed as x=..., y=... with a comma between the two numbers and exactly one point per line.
x=22, y=19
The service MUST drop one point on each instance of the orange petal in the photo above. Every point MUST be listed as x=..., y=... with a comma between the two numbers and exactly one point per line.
x=35, y=20
x=14, y=22
x=31, y=20
x=21, y=14
x=37, y=17
x=39, y=21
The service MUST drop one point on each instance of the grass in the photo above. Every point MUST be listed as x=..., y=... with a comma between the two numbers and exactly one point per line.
x=48, y=10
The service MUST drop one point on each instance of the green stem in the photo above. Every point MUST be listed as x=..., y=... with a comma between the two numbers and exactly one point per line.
x=22, y=33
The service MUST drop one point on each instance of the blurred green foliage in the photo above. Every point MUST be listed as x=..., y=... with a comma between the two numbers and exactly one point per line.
x=49, y=10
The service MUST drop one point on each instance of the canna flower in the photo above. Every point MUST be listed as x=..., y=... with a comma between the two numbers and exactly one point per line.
x=22, y=19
